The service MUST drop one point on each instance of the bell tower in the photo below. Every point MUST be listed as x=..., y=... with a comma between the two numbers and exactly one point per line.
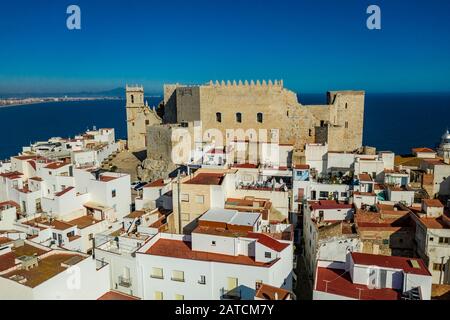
x=134, y=106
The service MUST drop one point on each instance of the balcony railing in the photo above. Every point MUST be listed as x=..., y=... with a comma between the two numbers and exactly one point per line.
x=124, y=282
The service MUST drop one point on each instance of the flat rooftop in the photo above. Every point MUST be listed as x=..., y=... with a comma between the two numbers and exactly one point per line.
x=230, y=216
x=84, y=221
x=206, y=179
x=46, y=269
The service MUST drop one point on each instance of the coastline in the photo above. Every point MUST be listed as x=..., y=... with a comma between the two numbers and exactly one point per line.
x=53, y=100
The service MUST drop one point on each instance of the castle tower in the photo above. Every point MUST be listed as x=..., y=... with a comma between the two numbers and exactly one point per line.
x=139, y=116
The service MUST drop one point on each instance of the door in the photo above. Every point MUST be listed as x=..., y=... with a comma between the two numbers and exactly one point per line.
x=59, y=239
x=383, y=278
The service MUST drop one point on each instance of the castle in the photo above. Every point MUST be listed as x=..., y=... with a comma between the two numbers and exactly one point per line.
x=246, y=105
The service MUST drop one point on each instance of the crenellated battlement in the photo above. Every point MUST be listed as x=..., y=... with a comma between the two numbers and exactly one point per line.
x=243, y=84
x=134, y=87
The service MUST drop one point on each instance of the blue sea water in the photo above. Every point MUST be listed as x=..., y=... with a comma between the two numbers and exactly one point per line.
x=395, y=122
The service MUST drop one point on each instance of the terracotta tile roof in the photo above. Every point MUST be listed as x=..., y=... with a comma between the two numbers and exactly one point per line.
x=423, y=150
x=114, y=295
x=156, y=183
x=11, y=175
x=433, y=203
x=7, y=260
x=339, y=282
x=182, y=250
x=6, y=204
x=36, y=178
x=57, y=224
x=391, y=262
x=104, y=178
x=268, y=241
x=206, y=179
x=330, y=204
x=5, y=240
x=245, y=165
x=365, y=177
x=301, y=166
x=268, y=292
x=56, y=165
x=32, y=164
x=83, y=222
x=59, y=194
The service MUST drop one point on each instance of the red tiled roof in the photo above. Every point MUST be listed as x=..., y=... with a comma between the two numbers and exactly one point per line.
x=106, y=178
x=427, y=150
x=58, y=194
x=339, y=282
x=207, y=179
x=56, y=165
x=268, y=292
x=9, y=203
x=390, y=262
x=36, y=178
x=11, y=175
x=215, y=151
x=114, y=295
x=156, y=183
x=7, y=260
x=330, y=204
x=32, y=164
x=182, y=250
x=433, y=203
x=268, y=241
x=245, y=165
x=365, y=177
x=301, y=166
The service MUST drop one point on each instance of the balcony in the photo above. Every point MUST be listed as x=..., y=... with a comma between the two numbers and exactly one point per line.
x=124, y=282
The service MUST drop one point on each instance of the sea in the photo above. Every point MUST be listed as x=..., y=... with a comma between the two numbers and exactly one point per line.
x=392, y=122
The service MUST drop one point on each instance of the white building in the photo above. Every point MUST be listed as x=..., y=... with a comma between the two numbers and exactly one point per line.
x=32, y=272
x=372, y=277
x=224, y=258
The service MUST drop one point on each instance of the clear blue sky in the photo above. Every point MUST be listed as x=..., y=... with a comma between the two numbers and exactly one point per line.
x=313, y=45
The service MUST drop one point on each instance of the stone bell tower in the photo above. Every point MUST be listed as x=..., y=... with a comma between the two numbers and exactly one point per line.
x=139, y=116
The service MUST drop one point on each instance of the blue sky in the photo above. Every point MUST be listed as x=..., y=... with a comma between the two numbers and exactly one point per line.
x=314, y=46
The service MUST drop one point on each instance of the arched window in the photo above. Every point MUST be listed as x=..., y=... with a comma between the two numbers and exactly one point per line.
x=218, y=117
x=259, y=117
x=132, y=98
x=238, y=117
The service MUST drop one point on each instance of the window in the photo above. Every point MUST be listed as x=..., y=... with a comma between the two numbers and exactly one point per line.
x=113, y=193
x=238, y=117
x=54, y=236
x=267, y=255
x=199, y=199
x=310, y=132
x=213, y=243
x=91, y=236
x=346, y=124
x=218, y=117
x=431, y=239
x=323, y=194
x=343, y=194
x=178, y=275
x=184, y=197
x=322, y=123
x=438, y=267
x=132, y=123
x=444, y=240
x=157, y=273
x=385, y=241
x=259, y=117
x=159, y=295
x=179, y=296
x=202, y=280
x=287, y=113
x=49, y=173
x=147, y=122
x=346, y=105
